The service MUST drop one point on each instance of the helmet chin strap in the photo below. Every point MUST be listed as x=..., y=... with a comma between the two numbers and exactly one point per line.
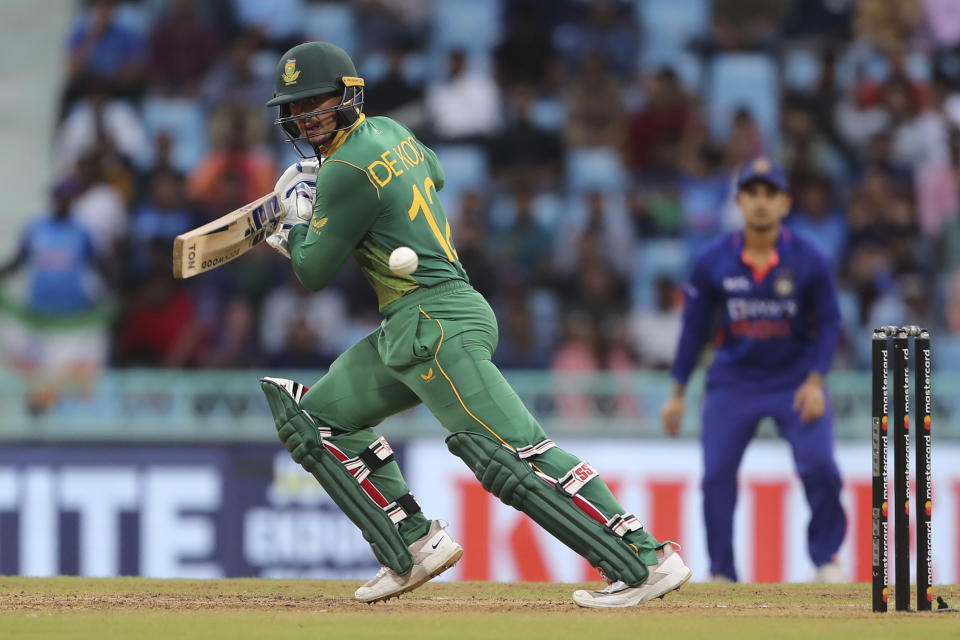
x=319, y=150
x=295, y=143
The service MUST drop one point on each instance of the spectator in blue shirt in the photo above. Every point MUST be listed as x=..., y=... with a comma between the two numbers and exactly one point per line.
x=101, y=48
x=59, y=333
x=816, y=220
x=605, y=27
x=163, y=217
x=59, y=256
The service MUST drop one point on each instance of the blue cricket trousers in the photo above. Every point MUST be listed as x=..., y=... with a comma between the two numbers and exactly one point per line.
x=730, y=419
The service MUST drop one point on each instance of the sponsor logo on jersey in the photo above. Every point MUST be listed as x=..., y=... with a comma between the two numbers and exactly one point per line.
x=319, y=223
x=428, y=376
x=290, y=71
x=736, y=283
x=761, y=318
x=762, y=328
x=747, y=308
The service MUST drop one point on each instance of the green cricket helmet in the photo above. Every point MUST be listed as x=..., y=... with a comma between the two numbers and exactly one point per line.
x=314, y=69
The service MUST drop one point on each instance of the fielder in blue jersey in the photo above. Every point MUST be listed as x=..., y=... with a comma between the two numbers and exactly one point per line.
x=775, y=301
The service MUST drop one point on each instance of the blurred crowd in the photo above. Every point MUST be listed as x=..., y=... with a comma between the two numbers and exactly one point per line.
x=589, y=146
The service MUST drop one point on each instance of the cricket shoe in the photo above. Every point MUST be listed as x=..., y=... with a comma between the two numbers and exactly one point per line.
x=668, y=574
x=831, y=573
x=433, y=554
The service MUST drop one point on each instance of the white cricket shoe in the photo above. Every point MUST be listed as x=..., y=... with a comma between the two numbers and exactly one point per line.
x=831, y=573
x=433, y=554
x=668, y=574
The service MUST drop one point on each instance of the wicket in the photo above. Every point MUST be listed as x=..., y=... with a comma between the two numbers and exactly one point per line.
x=901, y=467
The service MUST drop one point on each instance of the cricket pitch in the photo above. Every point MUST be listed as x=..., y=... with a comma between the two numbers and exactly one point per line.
x=142, y=609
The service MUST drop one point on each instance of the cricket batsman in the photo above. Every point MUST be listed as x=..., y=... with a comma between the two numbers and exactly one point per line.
x=368, y=187
x=779, y=323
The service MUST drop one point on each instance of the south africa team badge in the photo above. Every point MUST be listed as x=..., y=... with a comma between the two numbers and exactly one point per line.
x=290, y=71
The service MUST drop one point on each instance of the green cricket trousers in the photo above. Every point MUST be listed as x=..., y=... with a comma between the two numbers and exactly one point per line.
x=434, y=346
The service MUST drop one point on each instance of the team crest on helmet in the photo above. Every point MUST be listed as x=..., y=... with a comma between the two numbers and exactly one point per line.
x=762, y=165
x=290, y=71
x=783, y=285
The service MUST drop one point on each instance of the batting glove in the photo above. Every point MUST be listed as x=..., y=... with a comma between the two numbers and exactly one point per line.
x=297, y=189
x=280, y=242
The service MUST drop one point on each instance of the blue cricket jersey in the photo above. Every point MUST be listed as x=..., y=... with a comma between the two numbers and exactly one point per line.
x=776, y=325
x=59, y=255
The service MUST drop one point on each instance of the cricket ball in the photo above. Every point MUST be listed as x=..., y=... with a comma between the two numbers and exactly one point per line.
x=403, y=261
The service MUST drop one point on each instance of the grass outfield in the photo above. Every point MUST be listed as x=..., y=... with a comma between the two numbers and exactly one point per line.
x=140, y=609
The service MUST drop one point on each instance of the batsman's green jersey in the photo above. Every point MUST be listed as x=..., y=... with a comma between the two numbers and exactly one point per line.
x=376, y=191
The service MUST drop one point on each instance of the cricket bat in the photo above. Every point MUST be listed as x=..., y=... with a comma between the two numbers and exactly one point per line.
x=226, y=238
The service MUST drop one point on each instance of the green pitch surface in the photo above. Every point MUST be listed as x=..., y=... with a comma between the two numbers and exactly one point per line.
x=139, y=609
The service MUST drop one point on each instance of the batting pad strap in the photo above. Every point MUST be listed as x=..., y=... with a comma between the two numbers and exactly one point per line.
x=358, y=499
x=535, y=449
x=292, y=387
x=357, y=469
x=402, y=508
x=378, y=454
x=622, y=524
x=501, y=472
x=323, y=430
x=374, y=457
x=572, y=481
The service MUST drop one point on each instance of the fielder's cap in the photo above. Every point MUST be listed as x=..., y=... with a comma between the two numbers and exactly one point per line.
x=763, y=169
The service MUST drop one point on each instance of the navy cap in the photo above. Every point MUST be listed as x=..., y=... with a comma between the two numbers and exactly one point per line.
x=763, y=169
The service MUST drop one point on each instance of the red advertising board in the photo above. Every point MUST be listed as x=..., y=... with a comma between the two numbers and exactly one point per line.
x=660, y=482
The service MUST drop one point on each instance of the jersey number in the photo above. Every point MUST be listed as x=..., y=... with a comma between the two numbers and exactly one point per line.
x=423, y=204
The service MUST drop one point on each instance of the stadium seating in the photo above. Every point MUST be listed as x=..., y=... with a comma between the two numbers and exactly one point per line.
x=333, y=22
x=744, y=80
x=653, y=259
x=465, y=167
x=669, y=26
x=591, y=168
x=801, y=69
x=185, y=121
x=472, y=25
